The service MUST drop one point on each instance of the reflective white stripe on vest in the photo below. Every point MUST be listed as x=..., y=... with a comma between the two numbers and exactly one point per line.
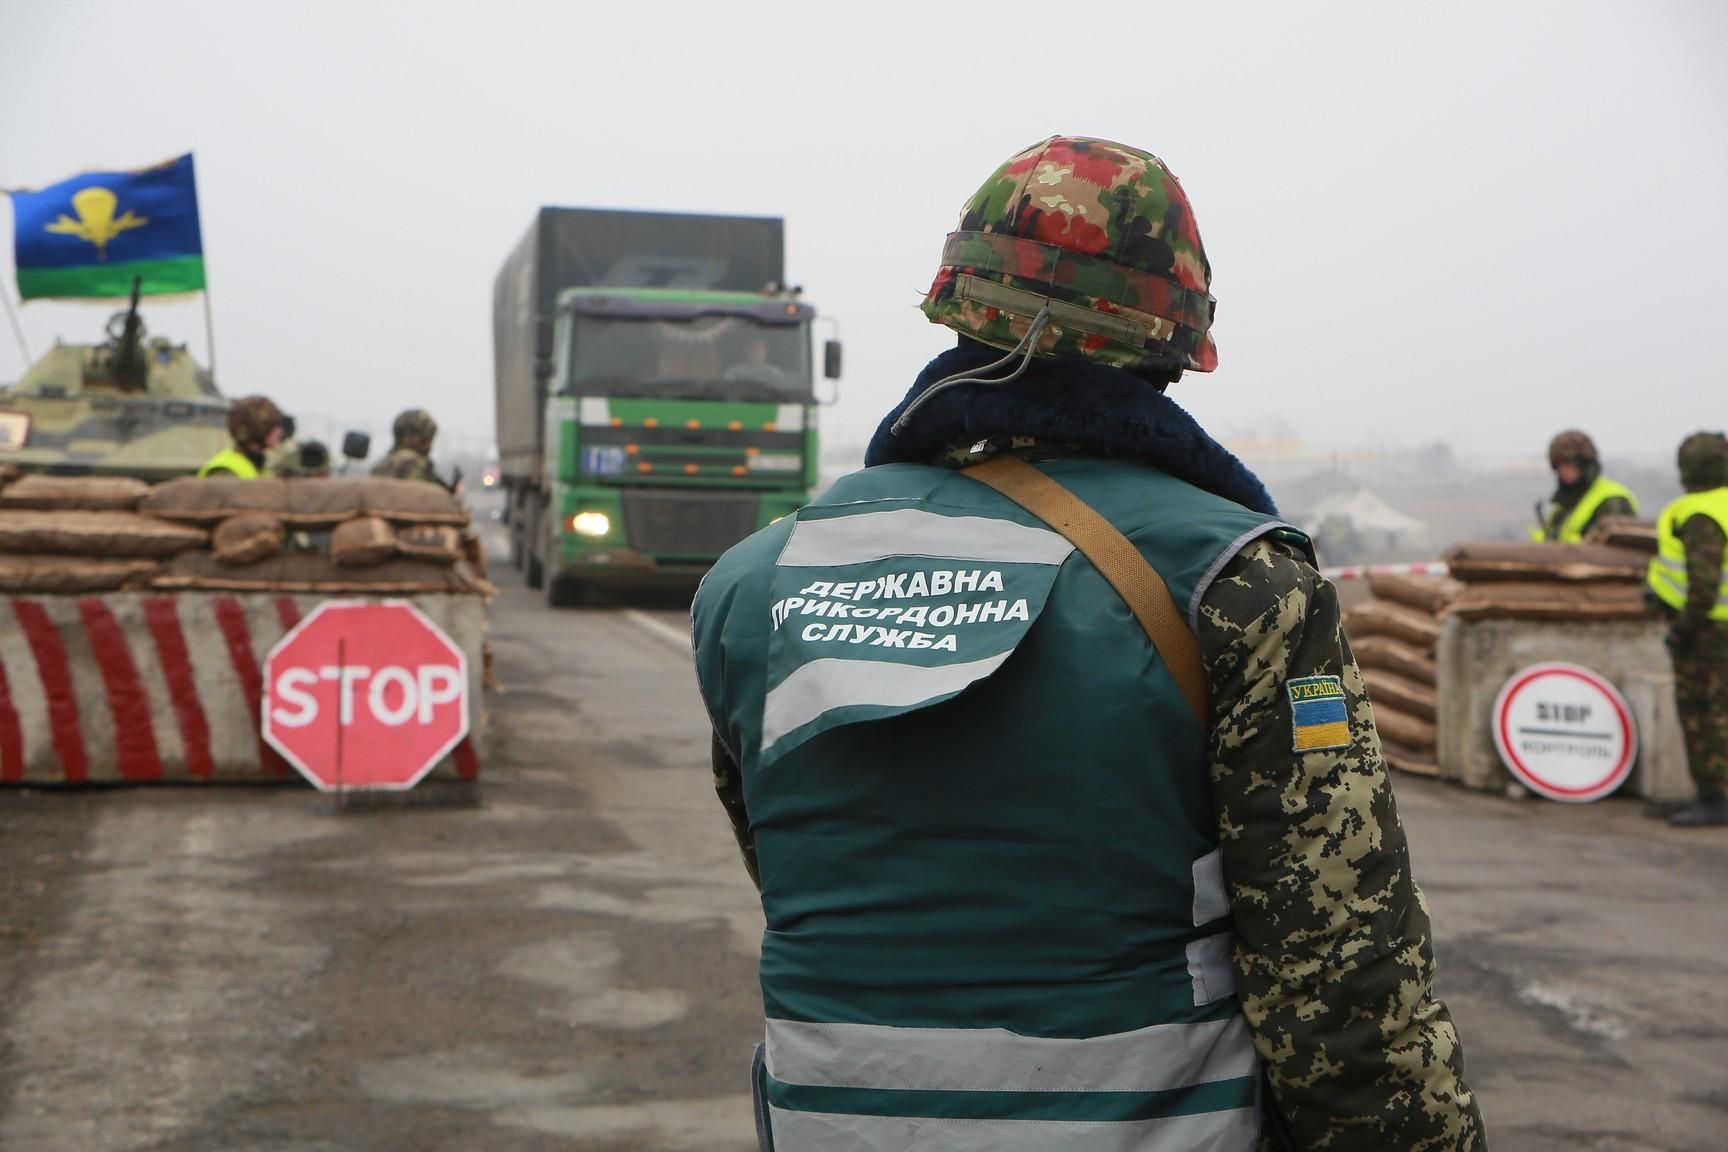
x=1153, y=1059
x=1209, y=968
x=1211, y=902
x=1233, y=1131
x=867, y=536
x=822, y=685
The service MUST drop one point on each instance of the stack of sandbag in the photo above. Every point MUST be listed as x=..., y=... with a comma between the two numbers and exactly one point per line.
x=1625, y=532
x=1567, y=582
x=360, y=535
x=1394, y=636
x=81, y=534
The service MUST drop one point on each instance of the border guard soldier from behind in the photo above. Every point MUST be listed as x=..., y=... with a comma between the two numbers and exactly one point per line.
x=1689, y=576
x=1582, y=495
x=410, y=457
x=257, y=426
x=1044, y=745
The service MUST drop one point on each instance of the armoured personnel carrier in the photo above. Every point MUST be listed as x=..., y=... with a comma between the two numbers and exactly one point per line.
x=133, y=405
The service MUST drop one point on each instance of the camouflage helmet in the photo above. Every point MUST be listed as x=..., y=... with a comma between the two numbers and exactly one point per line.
x=1100, y=233
x=251, y=419
x=1704, y=461
x=1572, y=447
x=414, y=426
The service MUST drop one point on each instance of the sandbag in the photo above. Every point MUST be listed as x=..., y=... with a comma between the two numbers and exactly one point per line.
x=438, y=543
x=1627, y=532
x=1551, y=600
x=1396, y=656
x=314, y=572
x=8, y=473
x=1413, y=763
x=93, y=493
x=362, y=543
x=1381, y=618
x=70, y=575
x=1424, y=593
x=1401, y=693
x=75, y=532
x=1572, y=562
x=247, y=539
x=1404, y=730
x=304, y=502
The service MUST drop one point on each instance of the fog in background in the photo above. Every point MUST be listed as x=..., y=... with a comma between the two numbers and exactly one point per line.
x=1467, y=223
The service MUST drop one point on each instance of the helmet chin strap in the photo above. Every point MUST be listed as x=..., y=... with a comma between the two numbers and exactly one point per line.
x=1026, y=349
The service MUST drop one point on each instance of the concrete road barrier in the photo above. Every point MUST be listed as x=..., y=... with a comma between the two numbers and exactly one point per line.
x=145, y=687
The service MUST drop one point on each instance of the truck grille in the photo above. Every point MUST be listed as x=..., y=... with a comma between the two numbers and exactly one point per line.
x=685, y=523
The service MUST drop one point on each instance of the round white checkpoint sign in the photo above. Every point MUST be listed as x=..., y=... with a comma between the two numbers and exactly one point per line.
x=1565, y=732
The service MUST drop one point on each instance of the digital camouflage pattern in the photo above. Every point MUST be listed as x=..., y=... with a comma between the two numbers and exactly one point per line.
x=1699, y=647
x=403, y=463
x=1703, y=460
x=1101, y=230
x=1572, y=446
x=416, y=428
x=252, y=418
x=1334, y=952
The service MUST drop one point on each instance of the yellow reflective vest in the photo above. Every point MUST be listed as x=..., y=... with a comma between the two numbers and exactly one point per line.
x=231, y=460
x=1667, y=576
x=1571, y=530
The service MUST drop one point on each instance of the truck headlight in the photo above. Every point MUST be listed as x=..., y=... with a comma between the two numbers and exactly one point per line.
x=590, y=524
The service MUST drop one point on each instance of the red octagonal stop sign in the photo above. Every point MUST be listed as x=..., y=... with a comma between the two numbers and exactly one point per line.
x=365, y=694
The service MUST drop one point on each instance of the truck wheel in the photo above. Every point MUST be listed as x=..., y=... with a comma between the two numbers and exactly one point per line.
x=533, y=545
x=565, y=592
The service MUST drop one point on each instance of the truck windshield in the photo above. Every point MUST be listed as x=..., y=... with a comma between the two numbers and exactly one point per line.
x=718, y=357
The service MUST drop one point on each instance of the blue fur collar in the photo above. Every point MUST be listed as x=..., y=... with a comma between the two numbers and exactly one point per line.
x=1066, y=401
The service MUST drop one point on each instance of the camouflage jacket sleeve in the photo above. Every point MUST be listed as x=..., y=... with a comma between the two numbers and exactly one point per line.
x=730, y=788
x=1334, y=956
x=402, y=464
x=1613, y=506
x=1702, y=538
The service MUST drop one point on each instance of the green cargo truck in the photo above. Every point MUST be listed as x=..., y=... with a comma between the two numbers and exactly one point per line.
x=655, y=395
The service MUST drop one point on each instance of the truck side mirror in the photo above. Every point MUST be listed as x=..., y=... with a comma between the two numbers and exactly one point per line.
x=831, y=359
x=356, y=445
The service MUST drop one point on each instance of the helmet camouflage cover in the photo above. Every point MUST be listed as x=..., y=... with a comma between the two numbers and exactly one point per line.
x=414, y=426
x=251, y=418
x=1704, y=460
x=1100, y=233
x=1572, y=447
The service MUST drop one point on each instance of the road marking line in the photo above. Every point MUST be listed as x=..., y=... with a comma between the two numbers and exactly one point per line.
x=665, y=633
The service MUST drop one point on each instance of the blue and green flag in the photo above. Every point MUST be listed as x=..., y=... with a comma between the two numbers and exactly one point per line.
x=93, y=234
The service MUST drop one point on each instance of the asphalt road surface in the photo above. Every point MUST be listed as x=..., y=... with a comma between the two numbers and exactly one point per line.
x=570, y=965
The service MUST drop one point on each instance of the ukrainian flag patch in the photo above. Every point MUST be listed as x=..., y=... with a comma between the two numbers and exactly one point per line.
x=1318, y=719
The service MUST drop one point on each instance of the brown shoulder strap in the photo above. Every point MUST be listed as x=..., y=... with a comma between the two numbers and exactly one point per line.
x=1115, y=556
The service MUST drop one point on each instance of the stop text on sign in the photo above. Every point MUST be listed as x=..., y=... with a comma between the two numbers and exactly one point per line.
x=394, y=695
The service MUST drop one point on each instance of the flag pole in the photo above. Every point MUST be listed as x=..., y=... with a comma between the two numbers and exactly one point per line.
x=17, y=328
x=209, y=330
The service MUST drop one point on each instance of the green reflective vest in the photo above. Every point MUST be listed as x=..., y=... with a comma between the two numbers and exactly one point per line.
x=1667, y=576
x=231, y=460
x=994, y=899
x=1572, y=528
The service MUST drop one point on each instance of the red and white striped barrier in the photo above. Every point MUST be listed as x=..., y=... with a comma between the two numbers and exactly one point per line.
x=1363, y=571
x=140, y=687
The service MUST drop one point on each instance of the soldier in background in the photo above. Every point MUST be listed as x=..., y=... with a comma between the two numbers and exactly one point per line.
x=1689, y=577
x=1582, y=494
x=257, y=426
x=1043, y=867
x=410, y=457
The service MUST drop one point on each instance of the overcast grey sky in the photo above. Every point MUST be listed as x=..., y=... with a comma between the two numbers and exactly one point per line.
x=1471, y=221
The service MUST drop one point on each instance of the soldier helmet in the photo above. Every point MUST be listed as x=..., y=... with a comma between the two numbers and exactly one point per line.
x=1704, y=461
x=1572, y=447
x=1100, y=234
x=251, y=419
x=414, y=426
